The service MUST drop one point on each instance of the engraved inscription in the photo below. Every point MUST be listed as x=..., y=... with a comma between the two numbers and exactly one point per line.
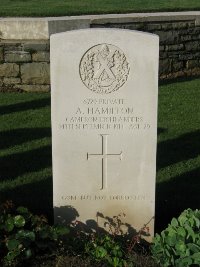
x=105, y=114
x=104, y=156
x=106, y=197
x=104, y=68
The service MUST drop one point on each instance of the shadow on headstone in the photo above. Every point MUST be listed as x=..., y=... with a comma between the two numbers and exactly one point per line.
x=114, y=226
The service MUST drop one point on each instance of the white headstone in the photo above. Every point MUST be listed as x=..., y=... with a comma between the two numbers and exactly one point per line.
x=104, y=125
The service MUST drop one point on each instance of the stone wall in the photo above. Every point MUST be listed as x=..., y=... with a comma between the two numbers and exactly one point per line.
x=24, y=66
x=179, y=45
x=24, y=61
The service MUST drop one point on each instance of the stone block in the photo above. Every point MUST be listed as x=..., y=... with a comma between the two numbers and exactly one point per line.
x=42, y=56
x=1, y=54
x=33, y=88
x=128, y=26
x=166, y=26
x=192, y=46
x=163, y=55
x=153, y=26
x=177, y=25
x=12, y=46
x=193, y=64
x=9, y=70
x=177, y=65
x=67, y=24
x=173, y=54
x=196, y=37
x=24, y=28
x=164, y=66
x=186, y=56
x=17, y=56
x=196, y=30
x=186, y=37
x=168, y=37
x=35, y=73
x=33, y=47
x=183, y=25
x=132, y=26
x=175, y=47
x=12, y=80
x=162, y=48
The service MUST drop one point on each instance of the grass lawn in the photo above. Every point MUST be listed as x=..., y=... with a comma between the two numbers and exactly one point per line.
x=78, y=7
x=25, y=156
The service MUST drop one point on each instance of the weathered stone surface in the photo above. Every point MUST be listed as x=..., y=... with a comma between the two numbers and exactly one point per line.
x=33, y=46
x=175, y=47
x=42, y=56
x=42, y=28
x=196, y=37
x=193, y=63
x=11, y=80
x=164, y=66
x=1, y=81
x=186, y=56
x=162, y=48
x=166, y=26
x=131, y=26
x=168, y=37
x=1, y=54
x=177, y=65
x=192, y=46
x=34, y=88
x=177, y=25
x=173, y=31
x=185, y=37
x=35, y=73
x=193, y=72
x=152, y=27
x=24, y=28
x=195, y=30
x=12, y=46
x=68, y=24
x=9, y=70
x=17, y=56
x=174, y=54
x=105, y=127
x=163, y=55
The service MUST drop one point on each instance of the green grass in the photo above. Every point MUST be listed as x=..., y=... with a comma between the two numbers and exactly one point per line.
x=79, y=7
x=25, y=156
x=178, y=151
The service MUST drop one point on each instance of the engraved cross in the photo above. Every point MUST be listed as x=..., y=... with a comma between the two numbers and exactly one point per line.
x=104, y=157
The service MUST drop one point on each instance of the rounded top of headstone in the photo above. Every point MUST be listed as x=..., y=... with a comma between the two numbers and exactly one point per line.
x=104, y=68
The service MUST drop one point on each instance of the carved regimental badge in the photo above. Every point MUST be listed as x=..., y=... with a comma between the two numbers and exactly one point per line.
x=104, y=68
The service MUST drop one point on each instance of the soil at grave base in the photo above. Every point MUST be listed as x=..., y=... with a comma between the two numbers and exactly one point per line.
x=60, y=261
x=78, y=261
